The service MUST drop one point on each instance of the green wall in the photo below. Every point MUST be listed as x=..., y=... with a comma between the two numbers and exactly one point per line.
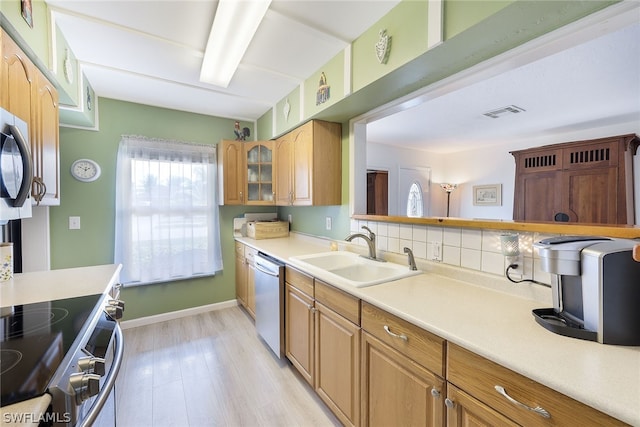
x=407, y=25
x=94, y=202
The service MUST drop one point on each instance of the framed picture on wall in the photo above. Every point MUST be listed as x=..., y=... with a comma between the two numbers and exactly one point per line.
x=487, y=195
x=27, y=12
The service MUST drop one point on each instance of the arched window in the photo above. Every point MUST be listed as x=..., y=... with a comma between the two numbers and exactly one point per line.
x=415, y=205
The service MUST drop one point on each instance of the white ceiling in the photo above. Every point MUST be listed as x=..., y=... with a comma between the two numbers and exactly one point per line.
x=150, y=52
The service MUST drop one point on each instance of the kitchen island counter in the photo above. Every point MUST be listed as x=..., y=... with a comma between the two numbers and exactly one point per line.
x=500, y=327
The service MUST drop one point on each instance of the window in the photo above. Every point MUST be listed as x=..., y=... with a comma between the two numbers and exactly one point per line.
x=414, y=201
x=167, y=222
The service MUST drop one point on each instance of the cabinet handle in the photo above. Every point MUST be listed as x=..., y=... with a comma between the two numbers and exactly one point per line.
x=435, y=393
x=39, y=190
x=449, y=403
x=538, y=410
x=241, y=197
x=402, y=337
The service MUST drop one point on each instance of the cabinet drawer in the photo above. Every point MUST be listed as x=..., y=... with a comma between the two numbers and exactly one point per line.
x=479, y=376
x=239, y=249
x=300, y=280
x=423, y=347
x=341, y=302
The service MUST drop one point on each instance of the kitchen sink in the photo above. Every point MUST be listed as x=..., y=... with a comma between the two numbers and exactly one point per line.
x=343, y=267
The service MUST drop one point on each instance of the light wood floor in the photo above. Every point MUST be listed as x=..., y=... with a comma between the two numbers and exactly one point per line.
x=210, y=369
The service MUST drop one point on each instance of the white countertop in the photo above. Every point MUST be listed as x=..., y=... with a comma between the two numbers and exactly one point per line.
x=40, y=286
x=501, y=328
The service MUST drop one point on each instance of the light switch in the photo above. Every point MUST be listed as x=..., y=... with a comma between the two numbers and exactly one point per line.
x=74, y=223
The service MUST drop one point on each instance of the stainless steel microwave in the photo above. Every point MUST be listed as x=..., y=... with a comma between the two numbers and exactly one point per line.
x=16, y=168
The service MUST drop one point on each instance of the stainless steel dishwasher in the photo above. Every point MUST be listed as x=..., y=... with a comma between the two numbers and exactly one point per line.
x=269, y=280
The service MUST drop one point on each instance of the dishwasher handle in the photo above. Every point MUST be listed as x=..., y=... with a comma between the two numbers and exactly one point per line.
x=260, y=268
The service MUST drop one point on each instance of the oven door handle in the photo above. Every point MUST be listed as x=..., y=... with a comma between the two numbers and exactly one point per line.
x=110, y=381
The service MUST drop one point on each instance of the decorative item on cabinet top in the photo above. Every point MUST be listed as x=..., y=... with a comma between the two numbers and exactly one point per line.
x=241, y=134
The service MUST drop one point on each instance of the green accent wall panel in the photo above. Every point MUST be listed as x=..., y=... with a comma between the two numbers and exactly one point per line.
x=67, y=92
x=407, y=25
x=284, y=124
x=311, y=220
x=264, y=126
x=460, y=15
x=333, y=75
x=84, y=115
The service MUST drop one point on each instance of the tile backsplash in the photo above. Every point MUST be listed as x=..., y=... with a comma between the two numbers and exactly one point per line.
x=473, y=249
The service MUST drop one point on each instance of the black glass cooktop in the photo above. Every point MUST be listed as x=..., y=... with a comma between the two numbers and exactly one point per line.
x=34, y=338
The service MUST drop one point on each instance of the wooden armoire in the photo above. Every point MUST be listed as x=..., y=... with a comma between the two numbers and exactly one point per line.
x=579, y=182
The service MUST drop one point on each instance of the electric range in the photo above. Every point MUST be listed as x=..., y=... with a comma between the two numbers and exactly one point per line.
x=64, y=348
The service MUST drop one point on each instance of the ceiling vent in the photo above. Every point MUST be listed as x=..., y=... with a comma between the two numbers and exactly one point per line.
x=510, y=109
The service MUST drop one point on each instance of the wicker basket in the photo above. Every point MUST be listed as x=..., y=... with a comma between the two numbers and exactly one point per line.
x=267, y=229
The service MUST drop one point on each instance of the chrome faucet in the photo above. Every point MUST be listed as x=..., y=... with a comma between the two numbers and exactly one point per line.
x=412, y=261
x=371, y=242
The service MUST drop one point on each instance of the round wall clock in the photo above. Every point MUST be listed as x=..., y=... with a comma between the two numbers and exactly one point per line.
x=85, y=170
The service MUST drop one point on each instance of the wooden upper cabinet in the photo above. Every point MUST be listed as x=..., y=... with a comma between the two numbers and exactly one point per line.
x=283, y=170
x=231, y=172
x=26, y=93
x=259, y=188
x=580, y=182
x=301, y=168
x=17, y=80
x=309, y=165
x=46, y=143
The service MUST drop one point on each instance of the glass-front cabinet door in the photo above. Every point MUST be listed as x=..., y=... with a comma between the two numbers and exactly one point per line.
x=259, y=173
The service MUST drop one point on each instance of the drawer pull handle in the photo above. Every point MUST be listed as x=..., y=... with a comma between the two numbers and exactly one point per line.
x=538, y=410
x=402, y=337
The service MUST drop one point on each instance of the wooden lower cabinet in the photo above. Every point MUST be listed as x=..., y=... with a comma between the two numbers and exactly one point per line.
x=537, y=405
x=337, y=342
x=396, y=391
x=372, y=368
x=299, y=331
x=465, y=411
x=241, y=275
x=245, y=278
x=250, y=255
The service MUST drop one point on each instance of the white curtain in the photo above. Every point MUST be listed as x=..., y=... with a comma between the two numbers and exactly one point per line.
x=167, y=220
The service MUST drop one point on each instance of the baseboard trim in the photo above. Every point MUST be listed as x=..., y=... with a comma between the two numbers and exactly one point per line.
x=157, y=318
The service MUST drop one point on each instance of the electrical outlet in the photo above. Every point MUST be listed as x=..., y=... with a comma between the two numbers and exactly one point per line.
x=437, y=251
x=74, y=223
x=327, y=223
x=290, y=219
